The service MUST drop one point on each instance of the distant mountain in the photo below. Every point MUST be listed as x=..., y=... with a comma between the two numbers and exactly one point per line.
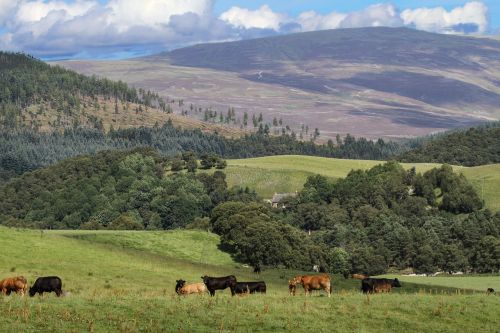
x=375, y=82
x=382, y=46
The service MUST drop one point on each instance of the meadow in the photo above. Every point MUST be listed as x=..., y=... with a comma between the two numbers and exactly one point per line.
x=123, y=281
x=288, y=173
x=472, y=282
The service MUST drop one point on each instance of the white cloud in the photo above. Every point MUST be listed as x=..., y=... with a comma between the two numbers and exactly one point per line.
x=34, y=11
x=373, y=16
x=311, y=20
x=7, y=7
x=439, y=20
x=262, y=18
x=379, y=15
x=128, y=13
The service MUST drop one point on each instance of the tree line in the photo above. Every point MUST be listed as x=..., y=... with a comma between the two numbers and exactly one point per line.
x=368, y=222
x=26, y=149
x=469, y=147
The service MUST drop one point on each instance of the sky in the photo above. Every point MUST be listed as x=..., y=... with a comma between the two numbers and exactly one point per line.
x=111, y=29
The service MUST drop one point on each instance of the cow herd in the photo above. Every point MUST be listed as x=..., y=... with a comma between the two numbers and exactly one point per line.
x=211, y=284
x=308, y=282
x=19, y=285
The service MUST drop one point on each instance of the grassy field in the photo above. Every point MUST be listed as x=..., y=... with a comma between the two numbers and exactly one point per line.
x=288, y=173
x=478, y=282
x=124, y=282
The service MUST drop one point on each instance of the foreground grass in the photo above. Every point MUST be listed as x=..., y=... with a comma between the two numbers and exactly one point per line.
x=124, y=282
x=288, y=173
x=346, y=312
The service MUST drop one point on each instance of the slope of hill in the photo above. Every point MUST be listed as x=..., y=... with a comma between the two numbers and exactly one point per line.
x=50, y=98
x=408, y=82
x=285, y=174
x=120, y=289
x=475, y=146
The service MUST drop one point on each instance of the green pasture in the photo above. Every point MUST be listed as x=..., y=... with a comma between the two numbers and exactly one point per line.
x=471, y=282
x=123, y=281
x=288, y=173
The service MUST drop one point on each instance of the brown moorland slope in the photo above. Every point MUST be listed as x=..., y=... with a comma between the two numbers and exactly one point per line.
x=406, y=82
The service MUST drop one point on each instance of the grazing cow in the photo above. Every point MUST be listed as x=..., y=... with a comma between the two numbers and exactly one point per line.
x=219, y=283
x=47, y=284
x=181, y=288
x=490, y=291
x=371, y=285
x=312, y=282
x=250, y=287
x=359, y=276
x=17, y=284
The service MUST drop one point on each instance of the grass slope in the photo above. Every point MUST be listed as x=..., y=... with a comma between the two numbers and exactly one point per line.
x=124, y=281
x=486, y=180
x=202, y=246
x=288, y=173
x=477, y=282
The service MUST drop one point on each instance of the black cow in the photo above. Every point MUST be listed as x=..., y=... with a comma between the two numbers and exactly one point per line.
x=490, y=291
x=372, y=285
x=256, y=269
x=250, y=287
x=219, y=283
x=47, y=284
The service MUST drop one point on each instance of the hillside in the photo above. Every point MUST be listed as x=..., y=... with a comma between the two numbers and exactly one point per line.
x=410, y=83
x=285, y=174
x=471, y=147
x=133, y=290
x=35, y=95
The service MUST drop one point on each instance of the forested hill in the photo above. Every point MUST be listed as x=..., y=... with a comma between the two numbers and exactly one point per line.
x=26, y=150
x=369, y=221
x=36, y=95
x=474, y=146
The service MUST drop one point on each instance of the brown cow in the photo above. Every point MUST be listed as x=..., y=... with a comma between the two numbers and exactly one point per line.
x=17, y=284
x=193, y=288
x=313, y=282
x=359, y=276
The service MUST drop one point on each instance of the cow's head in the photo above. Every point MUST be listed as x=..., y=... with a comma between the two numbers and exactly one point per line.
x=205, y=279
x=179, y=285
x=395, y=283
x=32, y=292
